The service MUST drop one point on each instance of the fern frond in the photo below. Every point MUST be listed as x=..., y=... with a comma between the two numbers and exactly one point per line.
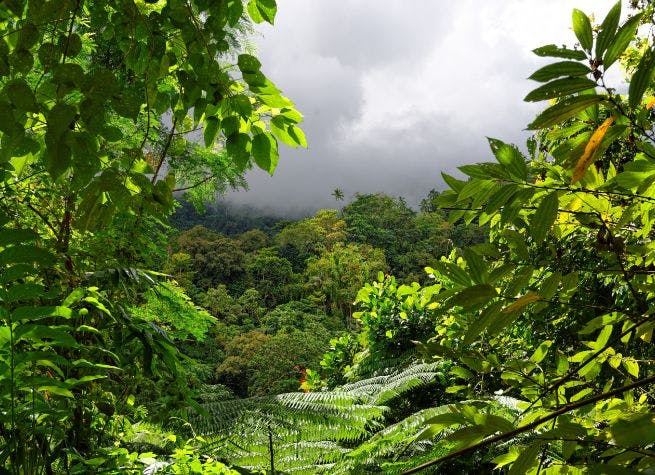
x=308, y=429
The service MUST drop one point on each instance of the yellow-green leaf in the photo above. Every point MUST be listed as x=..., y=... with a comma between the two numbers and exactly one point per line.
x=589, y=155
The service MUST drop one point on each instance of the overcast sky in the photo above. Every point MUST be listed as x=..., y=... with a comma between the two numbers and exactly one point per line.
x=396, y=91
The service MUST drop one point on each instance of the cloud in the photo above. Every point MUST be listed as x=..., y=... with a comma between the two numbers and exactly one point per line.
x=396, y=91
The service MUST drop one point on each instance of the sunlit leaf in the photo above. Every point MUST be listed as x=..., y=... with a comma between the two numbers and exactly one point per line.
x=589, y=154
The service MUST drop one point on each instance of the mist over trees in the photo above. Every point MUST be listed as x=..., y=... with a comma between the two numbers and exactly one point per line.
x=505, y=326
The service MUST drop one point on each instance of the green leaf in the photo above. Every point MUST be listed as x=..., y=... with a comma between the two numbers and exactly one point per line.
x=276, y=101
x=481, y=323
x=475, y=295
x=544, y=217
x=555, y=51
x=297, y=134
x=527, y=459
x=25, y=254
x=237, y=146
x=621, y=40
x=234, y=11
x=16, y=236
x=279, y=129
x=631, y=366
x=510, y=157
x=635, y=432
x=641, y=78
x=262, y=10
x=582, y=29
x=56, y=391
x=562, y=68
x=248, y=64
x=564, y=110
x=240, y=104
x=211, y=130
x=476, y=266
x=264, y=150
x=560, y=87
x=541, y=351
x=21, y=95
x=608, y=29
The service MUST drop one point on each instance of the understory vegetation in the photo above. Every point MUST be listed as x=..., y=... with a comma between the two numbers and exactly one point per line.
x=505, y=327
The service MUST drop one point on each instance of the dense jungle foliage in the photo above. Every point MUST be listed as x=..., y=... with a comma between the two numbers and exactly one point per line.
x=505, y=327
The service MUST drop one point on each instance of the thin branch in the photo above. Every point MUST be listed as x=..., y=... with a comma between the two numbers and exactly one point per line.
x=533, y=425
x=164, y=151
x=195, y=185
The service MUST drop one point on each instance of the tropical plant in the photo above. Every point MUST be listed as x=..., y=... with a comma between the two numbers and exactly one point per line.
x=556, y=311
x=307, y=432
x=98, y=105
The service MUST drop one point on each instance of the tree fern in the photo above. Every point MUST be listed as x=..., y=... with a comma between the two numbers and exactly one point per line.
x=307, y=432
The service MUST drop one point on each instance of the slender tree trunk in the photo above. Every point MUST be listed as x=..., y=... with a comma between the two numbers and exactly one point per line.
x=270, y=449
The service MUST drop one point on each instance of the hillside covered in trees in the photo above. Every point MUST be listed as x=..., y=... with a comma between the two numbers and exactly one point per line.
x=505, y=327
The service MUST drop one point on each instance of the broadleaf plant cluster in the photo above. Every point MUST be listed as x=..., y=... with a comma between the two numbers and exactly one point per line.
x=530, y=352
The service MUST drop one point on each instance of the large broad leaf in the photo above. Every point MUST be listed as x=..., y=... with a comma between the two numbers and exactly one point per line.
x=560, y=87
x=608, y=29
x=527, y=459
x=476, y=295
x=476, y=266
x=559, y=69
x=264, y=149
x=510, y=157
x=262, y=10
x=522, y=302
x=211, y=130
x=590, y=152
x=248, y=64
x=641, y=78
x=555, y=51
x=621, y=40
x=636, y=432
x=238, y=147
x=582, y=29
x=481, y=323
x=544, y=217
x=564, y=110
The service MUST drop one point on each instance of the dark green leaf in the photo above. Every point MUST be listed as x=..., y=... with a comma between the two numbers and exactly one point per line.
x=264, y=150
x=559, y=52
x=621, y=40
x=608, y=29
x=476, y=266
x=234, y=11
x=564, y=110
x=582, y=29
x=501, y=197
x=527, y=459
x=480, y=324
x=16, y=236
x=560, y=87
x=544, y=217
x=241, y=105
x=635, y=432
x=641, y=78
x=472, y=296
x=237, y=147
x=562, y=68
x=211, y=130
x=248, y=64
x=21, y=95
